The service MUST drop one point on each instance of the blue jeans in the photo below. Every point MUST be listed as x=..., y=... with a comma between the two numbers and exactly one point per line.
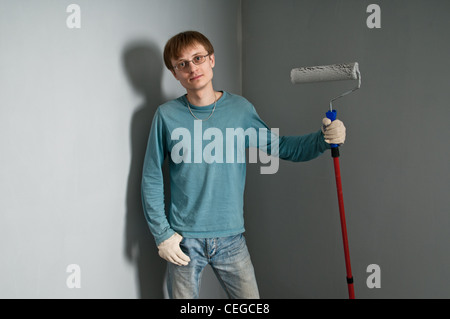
x=230, y=260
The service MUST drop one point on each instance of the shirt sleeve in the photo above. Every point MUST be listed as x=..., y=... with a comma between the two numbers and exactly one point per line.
x=299, y=148
x=152, y=187
x=302, y=148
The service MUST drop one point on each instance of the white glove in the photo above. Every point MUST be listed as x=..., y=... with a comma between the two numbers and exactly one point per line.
x=334, y=132
x=170, y=250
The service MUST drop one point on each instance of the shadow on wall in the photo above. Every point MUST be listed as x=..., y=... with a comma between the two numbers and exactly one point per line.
x=143, y=66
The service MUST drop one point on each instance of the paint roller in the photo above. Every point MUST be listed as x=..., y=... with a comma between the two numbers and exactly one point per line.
x=335, y=72
x=323, y=73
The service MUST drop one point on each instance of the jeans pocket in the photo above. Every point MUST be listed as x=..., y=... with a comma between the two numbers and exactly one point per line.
x=235, y=244
x=184, y=246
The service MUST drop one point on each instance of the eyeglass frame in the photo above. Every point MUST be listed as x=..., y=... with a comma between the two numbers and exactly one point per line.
x=175, y=67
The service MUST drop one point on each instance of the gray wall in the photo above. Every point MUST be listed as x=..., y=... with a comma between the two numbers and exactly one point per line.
x=75, y=106
x=75, y=110
x=394, y=163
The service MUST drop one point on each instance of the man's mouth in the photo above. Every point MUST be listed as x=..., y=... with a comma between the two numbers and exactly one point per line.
x=196, y=77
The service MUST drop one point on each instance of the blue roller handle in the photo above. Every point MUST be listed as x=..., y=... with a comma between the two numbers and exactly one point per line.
x=332, y=116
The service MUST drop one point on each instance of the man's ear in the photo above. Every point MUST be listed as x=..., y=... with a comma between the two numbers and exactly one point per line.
x=174, y=73
x=212, y=60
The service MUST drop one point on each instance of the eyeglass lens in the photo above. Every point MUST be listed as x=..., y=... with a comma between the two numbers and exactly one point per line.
x=198, y=59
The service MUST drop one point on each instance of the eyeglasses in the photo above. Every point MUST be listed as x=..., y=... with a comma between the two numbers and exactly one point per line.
x=184, y=65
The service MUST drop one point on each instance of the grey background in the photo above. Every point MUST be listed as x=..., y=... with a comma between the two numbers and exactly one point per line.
x=394, y=164
x=75, y=109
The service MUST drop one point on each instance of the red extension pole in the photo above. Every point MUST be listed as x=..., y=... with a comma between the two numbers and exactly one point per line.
x=337, y=172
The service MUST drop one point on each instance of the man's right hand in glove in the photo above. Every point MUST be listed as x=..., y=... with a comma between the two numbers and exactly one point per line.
x=170, y=250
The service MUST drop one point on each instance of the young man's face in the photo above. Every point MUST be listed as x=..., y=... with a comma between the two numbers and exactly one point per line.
x=195, y=77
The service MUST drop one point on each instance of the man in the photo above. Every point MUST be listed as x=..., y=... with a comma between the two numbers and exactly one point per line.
x=205, y=223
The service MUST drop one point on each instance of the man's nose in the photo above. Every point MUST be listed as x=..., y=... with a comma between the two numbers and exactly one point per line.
x=192, y=67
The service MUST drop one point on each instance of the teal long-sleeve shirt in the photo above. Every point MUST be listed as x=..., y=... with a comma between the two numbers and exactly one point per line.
x=207, y=165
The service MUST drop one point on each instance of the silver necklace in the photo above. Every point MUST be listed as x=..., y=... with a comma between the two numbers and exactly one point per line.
x=212, y=112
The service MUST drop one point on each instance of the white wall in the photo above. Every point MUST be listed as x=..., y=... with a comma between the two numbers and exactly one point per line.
x=75, y=109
